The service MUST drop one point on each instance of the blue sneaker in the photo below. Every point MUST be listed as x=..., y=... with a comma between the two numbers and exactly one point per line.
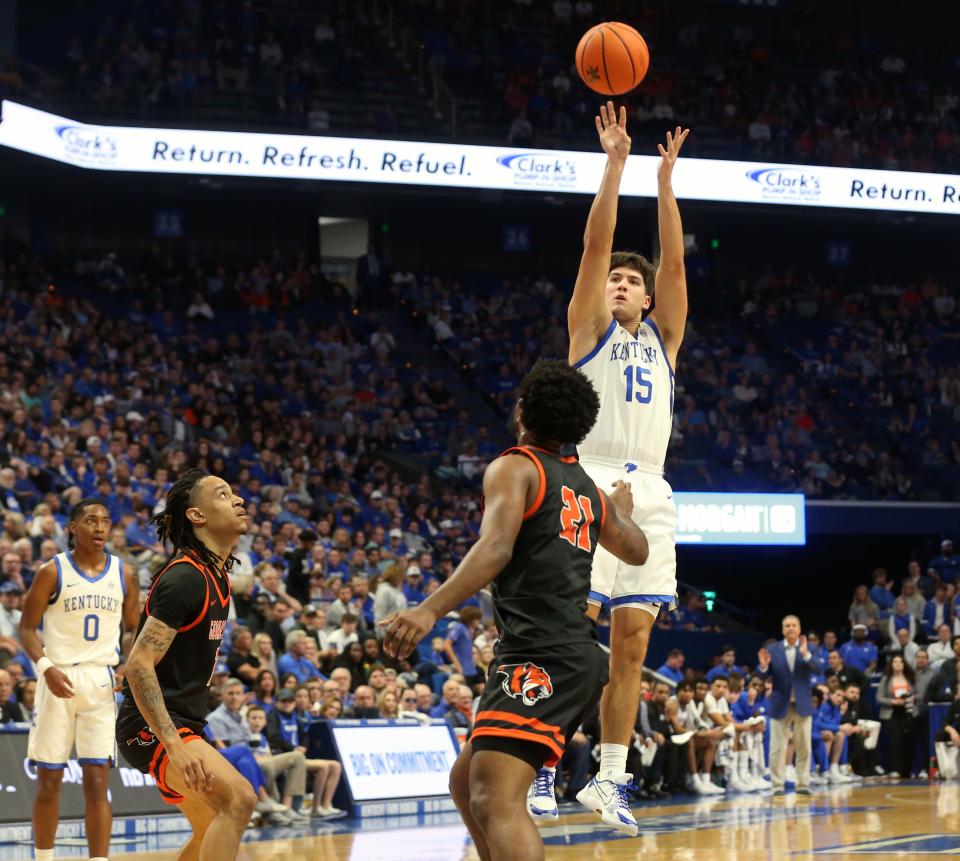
x=610, y=799
x=541, y=802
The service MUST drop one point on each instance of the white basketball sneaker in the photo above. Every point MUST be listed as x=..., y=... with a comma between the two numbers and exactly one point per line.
x=608, y=798
x=541, y=802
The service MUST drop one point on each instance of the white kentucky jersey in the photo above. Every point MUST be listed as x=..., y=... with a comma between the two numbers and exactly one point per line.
x=83, y=621
x=634, y=380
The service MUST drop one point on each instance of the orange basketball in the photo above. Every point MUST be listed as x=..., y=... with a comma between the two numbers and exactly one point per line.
x=612, y=58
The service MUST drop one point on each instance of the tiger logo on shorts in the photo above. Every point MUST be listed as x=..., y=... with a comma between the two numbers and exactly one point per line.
x=526, y=682
x=144, y=738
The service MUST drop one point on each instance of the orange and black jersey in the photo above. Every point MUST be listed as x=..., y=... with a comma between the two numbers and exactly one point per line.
x=188, y=597
x=541, y=596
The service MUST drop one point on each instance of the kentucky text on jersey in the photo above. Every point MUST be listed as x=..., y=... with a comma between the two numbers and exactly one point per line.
x=91, y=602
x=633, y=350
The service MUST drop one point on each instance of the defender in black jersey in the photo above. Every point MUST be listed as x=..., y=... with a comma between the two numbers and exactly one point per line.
x=168, y=673
x=543, y=518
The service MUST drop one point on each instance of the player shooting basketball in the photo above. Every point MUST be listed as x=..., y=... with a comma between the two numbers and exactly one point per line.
x=628, y=349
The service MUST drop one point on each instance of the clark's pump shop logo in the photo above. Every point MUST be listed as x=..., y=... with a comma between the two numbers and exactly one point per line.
x=89, y=146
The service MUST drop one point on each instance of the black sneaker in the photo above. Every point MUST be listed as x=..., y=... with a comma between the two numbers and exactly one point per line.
x=777, y=793
x=804, y=790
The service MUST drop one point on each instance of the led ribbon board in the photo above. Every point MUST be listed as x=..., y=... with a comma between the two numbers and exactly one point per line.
x=412, y=163
x=740, y=518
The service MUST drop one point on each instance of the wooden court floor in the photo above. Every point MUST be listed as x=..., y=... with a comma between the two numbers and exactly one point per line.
x=879, y=821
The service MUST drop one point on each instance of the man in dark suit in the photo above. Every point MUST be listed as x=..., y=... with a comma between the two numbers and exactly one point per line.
x=792, y=666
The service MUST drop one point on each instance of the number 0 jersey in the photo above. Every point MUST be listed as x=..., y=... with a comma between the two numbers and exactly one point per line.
x=82, y=623
x=188, y=597
x=634, y=381
x=540, y=598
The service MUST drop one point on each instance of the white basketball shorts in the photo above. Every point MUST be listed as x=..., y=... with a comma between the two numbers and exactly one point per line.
x=88, y=718
x=654, y=584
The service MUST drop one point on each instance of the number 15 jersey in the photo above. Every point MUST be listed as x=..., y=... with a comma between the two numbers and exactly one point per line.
x=634, y=381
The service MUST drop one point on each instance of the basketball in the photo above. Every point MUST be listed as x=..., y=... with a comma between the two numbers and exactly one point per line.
x=612, y=58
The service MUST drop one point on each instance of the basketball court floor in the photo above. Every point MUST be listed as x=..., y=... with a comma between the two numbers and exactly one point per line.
x=882, y=821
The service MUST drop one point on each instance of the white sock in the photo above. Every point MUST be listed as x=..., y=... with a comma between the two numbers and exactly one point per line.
x=43, y=854
x=613, y=760
x=99, y=859
x=552, y=770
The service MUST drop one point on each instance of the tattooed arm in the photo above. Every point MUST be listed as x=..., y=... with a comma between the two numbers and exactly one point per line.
x=141, y=672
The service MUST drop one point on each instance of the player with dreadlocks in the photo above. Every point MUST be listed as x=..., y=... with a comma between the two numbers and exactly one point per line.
x=171, y=664
x=543, y=519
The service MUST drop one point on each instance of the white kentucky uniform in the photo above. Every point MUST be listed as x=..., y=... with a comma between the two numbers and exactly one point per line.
x=633, y=377
x=81, y=635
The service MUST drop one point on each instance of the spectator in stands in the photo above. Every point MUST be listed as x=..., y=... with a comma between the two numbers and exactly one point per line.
x=345, y=634
x=460, y=713
x=264, y=653
x=913, y=600
x=863, y=611
x=413, y=586
x=389, y=598
x=10, y=597
x=458, y=645
x=409, y=709
x=947, y=564
x=8, y=706
x=895, y=697
x=12, y=568
x=275, y=762
x=364, y=703
x=903, y=646
x=264, y=691
x=388, y=704
x=344, y=680
x=285, y=733
x=936, y=612
x=26, y=692
x=300, y=566
x=941, y=649
x=727, y=665
x=846, y=675
x=352, y=659
x=881, y=593
x=673, y=666
x=859, y=652
x=294, y=659
x=241, y=661
x=901, y=618
x=425, y=698
x=449, y=696
x=693, y=615
x=343, y=604
x=944, y=686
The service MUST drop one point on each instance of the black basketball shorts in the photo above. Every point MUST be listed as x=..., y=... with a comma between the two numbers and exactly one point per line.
x=144, y=751
x=536, y=699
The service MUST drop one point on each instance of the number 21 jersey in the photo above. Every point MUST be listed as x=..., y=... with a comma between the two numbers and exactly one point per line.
x=634, y=381
x=540, y=598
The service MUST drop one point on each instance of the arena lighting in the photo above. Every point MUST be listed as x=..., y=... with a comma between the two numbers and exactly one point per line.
x=412, y=163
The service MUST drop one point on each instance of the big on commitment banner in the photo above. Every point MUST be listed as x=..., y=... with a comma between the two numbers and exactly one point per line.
x=310, y=157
